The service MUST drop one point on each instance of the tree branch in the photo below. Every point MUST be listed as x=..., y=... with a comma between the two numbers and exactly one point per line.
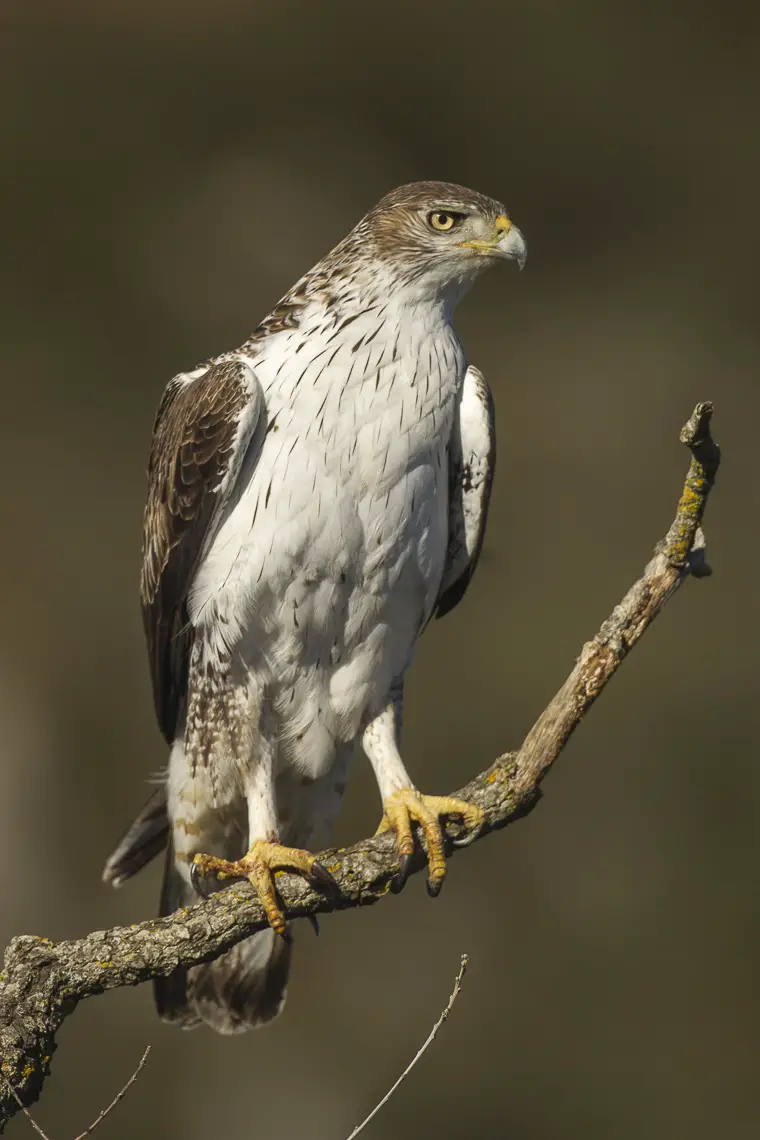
x=464, y=962
x=43, y=981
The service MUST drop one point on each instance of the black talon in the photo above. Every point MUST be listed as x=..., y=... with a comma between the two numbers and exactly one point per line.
x=314, y=923
x=323, y=876
x=434, y=888
x=398, y=882
x=467, y=837
x=198, y=883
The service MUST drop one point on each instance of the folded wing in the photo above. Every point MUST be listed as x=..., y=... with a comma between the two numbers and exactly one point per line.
x=472, y=460
x=205, y=426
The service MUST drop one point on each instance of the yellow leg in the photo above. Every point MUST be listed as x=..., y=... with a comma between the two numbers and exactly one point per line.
x=258, y=866
x=407, y=805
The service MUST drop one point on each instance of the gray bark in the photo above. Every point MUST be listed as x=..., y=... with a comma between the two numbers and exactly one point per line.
x=42, y=982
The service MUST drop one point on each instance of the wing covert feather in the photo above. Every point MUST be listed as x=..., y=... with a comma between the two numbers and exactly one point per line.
x=202, y=430
x=472, y=460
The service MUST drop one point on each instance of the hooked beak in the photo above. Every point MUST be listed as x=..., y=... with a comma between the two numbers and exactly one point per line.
x=507, y=242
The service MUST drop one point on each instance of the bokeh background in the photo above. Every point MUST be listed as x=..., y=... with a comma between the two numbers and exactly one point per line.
x=168, y=170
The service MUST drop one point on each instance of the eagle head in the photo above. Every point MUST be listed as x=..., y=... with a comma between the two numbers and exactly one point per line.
x=440, y=234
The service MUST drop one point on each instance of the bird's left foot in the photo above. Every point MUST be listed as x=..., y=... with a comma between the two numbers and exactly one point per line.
x=408, y=804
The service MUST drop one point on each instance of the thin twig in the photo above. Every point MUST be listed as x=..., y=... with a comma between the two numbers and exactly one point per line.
x=465, y=961
x=119, y=1096
x=122, y=1092
x=25, y=1110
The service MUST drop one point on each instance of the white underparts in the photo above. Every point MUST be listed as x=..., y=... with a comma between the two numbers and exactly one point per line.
x=324, y=566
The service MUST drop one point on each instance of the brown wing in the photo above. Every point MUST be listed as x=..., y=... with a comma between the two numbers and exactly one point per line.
x=202, y=431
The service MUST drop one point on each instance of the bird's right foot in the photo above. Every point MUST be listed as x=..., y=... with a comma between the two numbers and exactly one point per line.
x=259, y=866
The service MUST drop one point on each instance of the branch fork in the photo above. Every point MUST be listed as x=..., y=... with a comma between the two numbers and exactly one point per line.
x=42, y=981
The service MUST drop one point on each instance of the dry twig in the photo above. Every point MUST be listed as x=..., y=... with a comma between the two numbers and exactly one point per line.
x=88, y=1131
x=26, y=1111
x=119, y=1096
x=463, y=964
x=43, y=981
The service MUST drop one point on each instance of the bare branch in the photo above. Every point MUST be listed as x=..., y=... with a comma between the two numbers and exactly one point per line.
x=122, y=1092
x=42, y=981
x=464, y=963
x=26, y=1111
x=603, y=655
x=119, y=1096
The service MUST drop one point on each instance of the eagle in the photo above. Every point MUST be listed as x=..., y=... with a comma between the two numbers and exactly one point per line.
x=315, y=497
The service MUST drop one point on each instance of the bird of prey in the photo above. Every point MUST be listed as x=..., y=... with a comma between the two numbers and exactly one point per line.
x=315, y=497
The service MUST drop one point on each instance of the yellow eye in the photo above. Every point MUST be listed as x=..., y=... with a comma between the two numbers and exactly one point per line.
x=439, y=220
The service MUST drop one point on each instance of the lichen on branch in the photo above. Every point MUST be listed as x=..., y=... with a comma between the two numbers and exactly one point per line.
x=42, y=981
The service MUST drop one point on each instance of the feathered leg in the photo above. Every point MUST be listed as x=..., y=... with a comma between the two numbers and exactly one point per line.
x=266, y=853
x=220, y=797
x=246, y=986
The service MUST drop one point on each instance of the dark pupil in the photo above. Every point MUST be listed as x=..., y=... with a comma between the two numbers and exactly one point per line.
x=443, y=219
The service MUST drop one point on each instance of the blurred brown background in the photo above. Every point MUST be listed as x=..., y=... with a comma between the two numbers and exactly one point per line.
x=168, y=170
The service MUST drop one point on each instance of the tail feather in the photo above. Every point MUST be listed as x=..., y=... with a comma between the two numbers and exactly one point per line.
x=170, y=993
x=245, y=987
x=240, y=990
x=140, y=842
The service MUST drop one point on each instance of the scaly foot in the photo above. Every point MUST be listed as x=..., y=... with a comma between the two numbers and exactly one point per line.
x=408, y=804
x=258, y=867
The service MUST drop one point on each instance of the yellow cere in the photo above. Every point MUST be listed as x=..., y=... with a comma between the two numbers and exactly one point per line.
x=503, y=226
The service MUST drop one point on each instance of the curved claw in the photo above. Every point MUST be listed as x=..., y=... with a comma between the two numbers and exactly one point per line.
x=398, y=882
x=199, y=884
x=323, y=876
x=433, y=887
x=468, y=837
